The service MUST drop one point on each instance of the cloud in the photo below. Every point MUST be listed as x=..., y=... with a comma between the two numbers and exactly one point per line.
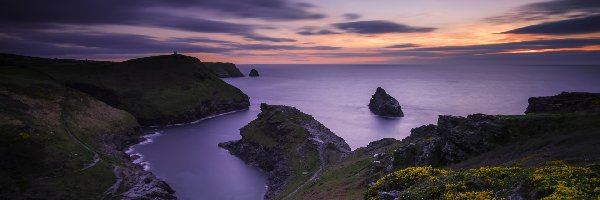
x=37, y=15
x=96, y=12
x=582, y=25
x=379, y=27
x=502, y=47
x=253, y=36
x=281, y=47
x=550, y=9
x=402, y=46
x=311, y=30
x=351, y=16
x=87, y=44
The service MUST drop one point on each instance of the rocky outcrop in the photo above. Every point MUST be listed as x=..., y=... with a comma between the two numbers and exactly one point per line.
x=385, y=105
x=253, y=73
x=289, y=145
x=223, y=70
x=565, y=102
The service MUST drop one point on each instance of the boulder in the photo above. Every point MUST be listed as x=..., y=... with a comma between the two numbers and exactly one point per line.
x=383, y=104
x=253, y=73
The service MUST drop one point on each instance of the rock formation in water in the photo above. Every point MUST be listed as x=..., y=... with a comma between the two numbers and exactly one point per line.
x=223, y=70
x=253, y=73
x=291, y=146
x=383, y=104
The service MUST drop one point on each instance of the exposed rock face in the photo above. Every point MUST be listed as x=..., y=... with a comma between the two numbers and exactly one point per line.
x=565, y=102
x=454, y=139
x=223, y=70
x=289, y=145
x=385, y=105
x=253, y=73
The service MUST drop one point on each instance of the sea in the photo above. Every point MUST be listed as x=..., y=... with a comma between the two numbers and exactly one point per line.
x=188, y=158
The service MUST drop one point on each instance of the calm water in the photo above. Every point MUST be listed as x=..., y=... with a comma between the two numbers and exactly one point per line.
x=188, y=158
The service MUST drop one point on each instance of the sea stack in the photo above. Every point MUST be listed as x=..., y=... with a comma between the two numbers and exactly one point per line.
x=253, y=73
x=383, y=104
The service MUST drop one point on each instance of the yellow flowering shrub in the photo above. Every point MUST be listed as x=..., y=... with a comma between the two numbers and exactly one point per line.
x=563, y=181
x=403, y=179
x=557, y=180
x=471, y=195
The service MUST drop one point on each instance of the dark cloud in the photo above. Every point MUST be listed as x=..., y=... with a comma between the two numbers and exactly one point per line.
x=81, y=45
x=589, y=24
x=380, y=26
x=311, y=30
x=199, y=40
x=37, y=15
x=402, y=46
x=115, y=11
x=351, y=16
x=263, y=38
x=550, y=9
x=282, y=47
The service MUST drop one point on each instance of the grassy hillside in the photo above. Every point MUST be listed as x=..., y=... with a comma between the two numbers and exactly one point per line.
x=457, y=145
x=59, y=143
x=157, y=90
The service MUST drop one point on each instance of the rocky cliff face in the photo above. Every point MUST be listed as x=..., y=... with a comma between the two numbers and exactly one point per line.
x=383, y=104
x=565, y=102
x=291, y=146
x=223, y=70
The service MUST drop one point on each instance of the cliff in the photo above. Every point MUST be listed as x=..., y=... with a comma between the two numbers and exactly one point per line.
x=458, y=147
x=291, y=146
x=223, y=70
x=157, y=90
x=60, y=143
x=64, y=124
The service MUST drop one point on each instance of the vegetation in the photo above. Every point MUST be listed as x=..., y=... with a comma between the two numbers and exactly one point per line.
x=554, y=180
x=157, y=90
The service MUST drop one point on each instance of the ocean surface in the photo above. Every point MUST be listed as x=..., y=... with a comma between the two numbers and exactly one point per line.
x=188, y=158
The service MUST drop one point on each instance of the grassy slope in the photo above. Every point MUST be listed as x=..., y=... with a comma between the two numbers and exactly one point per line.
x=156, y=90
x=572, y=137
x=42, y=160
x=267, y=132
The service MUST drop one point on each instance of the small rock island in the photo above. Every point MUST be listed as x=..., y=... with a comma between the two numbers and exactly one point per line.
x=383, y=104
x=253, y=73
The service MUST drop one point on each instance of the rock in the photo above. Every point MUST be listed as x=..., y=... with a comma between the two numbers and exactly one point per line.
x=565, y=102
x=383, y=104
x=286, y=143
x=253, y=73
x=223, y=70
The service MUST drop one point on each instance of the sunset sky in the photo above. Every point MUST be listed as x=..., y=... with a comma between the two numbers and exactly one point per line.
x=308, y=31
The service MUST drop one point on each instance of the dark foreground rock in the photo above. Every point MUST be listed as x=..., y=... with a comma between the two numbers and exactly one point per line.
x=385, y=105
x=253, y=73
x=291, y=146
x=565, y=102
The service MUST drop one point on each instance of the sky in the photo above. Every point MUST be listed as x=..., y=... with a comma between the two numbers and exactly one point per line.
x=307, y=31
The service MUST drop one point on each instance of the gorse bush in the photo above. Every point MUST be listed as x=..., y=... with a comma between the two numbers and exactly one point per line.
x=556, y=180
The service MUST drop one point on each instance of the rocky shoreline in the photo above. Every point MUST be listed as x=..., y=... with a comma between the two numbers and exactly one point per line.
x=289, y=145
